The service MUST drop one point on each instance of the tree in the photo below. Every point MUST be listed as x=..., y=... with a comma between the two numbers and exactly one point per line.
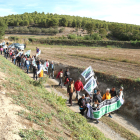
x=64, y=22
x=53, y=22
x=26, y=23
x=90, y=27
x=74, y=23
x=103, y=32
x=3, y=27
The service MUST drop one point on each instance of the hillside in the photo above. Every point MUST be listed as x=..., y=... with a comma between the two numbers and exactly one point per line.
x=40, y=114
x=123, y=32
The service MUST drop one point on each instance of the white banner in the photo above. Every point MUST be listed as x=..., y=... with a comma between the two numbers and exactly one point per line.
x=87, y=73
x=90, y=85
x=20, y=53
x=28, y=52
x=41, y=68
x=34, y=63
x=38, y=53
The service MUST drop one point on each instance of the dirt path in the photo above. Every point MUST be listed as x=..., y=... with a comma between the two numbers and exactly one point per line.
x=9, y=121
x=124, y=121
x=101, y=126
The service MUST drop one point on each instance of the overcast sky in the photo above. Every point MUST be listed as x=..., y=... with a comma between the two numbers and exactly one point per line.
x=124, y=11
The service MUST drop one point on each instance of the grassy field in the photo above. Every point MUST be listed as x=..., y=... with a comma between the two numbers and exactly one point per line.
x=44, y=109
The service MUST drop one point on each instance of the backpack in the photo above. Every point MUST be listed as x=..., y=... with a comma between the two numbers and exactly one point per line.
x=61, y=74
x=27, y=62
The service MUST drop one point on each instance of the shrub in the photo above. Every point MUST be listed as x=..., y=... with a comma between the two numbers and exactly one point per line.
x=51, y=30
x=55, y=31
x=72, y=36
x=61, y=30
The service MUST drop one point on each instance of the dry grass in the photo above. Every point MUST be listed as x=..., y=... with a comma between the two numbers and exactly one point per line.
x=105, y=58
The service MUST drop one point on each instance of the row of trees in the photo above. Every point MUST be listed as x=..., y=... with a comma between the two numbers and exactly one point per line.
x=119, y=30
x=33, y=30
x=3, y=26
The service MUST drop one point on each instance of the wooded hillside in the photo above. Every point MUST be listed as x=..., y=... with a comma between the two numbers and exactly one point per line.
x=123, y=32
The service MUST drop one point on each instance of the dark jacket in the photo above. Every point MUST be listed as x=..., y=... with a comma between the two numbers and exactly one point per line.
x=37, y=62
x=97, y=97
x=50, y=67
x=82, y=103
x=113, y=93
x=67, y=74
x=34, y=69
x=69, y=88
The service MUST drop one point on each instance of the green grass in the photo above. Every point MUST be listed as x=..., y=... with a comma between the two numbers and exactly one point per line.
x=36, y=99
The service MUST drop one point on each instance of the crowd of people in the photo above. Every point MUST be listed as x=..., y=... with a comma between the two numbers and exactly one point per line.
x=33, y=63
x=86, y=99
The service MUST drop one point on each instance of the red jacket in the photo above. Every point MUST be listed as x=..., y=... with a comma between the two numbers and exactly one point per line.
x=58, y=75
x=78, y=85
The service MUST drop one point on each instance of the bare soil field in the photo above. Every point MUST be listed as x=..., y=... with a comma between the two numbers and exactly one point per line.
x=123, y=63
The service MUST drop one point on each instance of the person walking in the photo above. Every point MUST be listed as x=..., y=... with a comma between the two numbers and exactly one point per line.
x=60, y=76
x=120, y=93
x=46, y=65
x=67, y=77
x=14, y=59
x=97, y=99
x=38, y=64
x=97, y=96
x=27, y=63
x=82, y=105
x=113, y=92
x=35, y=72
x=107, y=96
x=6, y=53
x=70, y=90
x=78, y=86
x=51, y=69
x=41, y=75
x=1, y=49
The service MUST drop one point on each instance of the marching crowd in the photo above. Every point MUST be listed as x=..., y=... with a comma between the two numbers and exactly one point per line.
x=33, y=63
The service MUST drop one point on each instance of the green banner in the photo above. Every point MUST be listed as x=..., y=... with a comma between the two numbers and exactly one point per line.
x=107, y=106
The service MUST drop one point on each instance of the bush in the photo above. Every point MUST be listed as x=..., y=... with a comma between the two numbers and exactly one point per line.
x=55, y=31
x=13, y=38
x=72, y=36
x=103, y=32
x=61, y=30
x=51, y=30
x=95, y=36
